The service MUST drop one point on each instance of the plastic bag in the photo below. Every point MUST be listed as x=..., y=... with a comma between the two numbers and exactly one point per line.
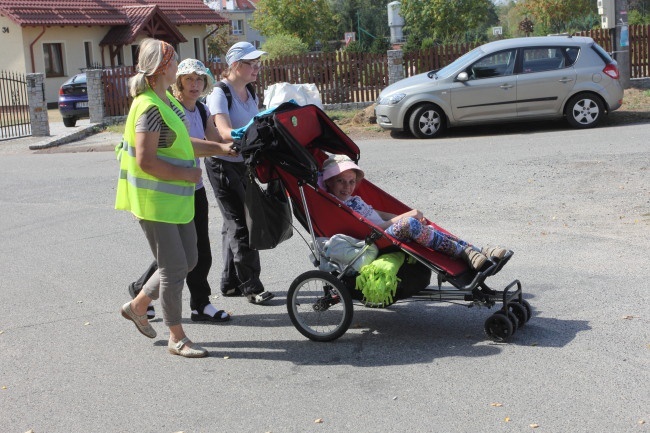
x=268, y=214
x=302, y=94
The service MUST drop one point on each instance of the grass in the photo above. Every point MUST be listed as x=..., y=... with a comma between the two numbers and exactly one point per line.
x=342, y=116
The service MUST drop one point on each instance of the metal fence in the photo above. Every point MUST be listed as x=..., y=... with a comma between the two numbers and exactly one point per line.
x=14, y=106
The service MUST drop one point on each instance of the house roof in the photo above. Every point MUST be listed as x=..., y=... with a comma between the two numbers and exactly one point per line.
x=146, y=20
x=239, y=5
x=103, y=12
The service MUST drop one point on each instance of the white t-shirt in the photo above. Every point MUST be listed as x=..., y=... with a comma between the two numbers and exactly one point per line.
x=240, y=112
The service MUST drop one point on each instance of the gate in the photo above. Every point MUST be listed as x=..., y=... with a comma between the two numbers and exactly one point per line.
x=14, y=106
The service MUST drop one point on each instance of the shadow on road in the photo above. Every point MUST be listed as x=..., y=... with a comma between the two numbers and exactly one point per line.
x=617, y=118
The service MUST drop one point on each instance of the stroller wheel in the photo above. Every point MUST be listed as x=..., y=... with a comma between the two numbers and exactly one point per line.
x=520, y=312
x=319, y=305
x=529, y=310
x=498, y=327
x=513, y=319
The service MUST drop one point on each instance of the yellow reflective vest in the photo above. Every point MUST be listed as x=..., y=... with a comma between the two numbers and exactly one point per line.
x=148, y=197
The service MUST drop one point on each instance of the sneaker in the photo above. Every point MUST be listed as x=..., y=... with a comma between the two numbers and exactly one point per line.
x=260, y=298
x=475, y=259
x=496, y=252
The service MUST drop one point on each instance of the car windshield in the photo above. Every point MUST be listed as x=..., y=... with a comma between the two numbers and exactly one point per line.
x=459, y=62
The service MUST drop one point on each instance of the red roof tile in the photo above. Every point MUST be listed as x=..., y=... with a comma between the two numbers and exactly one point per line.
x=102, y=12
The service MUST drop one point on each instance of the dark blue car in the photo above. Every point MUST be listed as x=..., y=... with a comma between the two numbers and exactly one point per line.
x=73, y=100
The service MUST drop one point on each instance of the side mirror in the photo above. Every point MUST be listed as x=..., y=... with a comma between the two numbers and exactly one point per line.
x=462, y=77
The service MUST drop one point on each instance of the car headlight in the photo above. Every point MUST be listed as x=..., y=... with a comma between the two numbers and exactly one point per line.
x=391, y=99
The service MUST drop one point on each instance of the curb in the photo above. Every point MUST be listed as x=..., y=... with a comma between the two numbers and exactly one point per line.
x=91, y=129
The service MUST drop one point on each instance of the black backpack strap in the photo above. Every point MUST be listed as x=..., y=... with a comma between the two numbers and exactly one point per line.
x=226, y=90
x=203, y=113
x=251, y=89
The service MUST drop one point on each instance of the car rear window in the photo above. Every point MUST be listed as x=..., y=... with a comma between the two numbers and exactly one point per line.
x=602, y=53
x=571, y=54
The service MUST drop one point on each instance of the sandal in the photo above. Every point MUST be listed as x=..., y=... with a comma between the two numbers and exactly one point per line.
x=151, y=312
x=219, y=316
x=260, y=298
x=189, y=352
x=129, y=314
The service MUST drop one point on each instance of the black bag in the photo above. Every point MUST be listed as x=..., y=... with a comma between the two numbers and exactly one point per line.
x=268, y=214
x=414, y=277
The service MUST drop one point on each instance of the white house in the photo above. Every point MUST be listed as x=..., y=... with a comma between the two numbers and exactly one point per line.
x=60, y=38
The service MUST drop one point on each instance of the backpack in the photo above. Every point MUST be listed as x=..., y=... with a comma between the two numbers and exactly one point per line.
x=223, y=86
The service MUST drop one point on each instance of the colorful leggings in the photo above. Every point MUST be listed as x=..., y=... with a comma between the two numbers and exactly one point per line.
x=412, y=229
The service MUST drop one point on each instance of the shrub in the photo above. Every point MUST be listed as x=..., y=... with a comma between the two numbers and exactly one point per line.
x=284, y=45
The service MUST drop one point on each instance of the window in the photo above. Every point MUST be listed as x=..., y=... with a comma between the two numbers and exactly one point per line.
x=197, y=48
x=88, y=49
x=571, y=54
x=53, y=59
x=541, y=59
x=237, y=27
x=493, y=65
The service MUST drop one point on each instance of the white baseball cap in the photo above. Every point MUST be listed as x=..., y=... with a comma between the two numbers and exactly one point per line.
x=242, y=51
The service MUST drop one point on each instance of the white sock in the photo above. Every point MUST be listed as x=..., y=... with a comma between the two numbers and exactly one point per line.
x=210, y=310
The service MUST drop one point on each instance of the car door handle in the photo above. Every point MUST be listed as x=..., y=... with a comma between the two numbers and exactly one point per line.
x=565, y=80
x=507, y=86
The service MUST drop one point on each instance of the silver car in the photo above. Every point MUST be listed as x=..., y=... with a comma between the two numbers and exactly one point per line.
x=513, y=79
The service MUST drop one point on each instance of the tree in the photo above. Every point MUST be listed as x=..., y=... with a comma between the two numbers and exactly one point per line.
x=308, y=20
x=445, y=20
x=370, y=15
x=220, y=41
x=639, y=12
x=554, y=16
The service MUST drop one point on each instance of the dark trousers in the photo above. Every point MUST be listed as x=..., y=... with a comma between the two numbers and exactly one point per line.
x=197, y=278
x=241, y=264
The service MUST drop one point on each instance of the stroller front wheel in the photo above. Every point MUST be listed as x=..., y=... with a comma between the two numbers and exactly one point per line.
x=319, y=305
x=499, y=327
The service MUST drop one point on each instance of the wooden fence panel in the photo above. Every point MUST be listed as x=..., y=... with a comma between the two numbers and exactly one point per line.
x=639, y=51
x=343, y=77
x=117, y=99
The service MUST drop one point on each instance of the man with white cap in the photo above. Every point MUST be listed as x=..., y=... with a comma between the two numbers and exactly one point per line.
x=233, y=106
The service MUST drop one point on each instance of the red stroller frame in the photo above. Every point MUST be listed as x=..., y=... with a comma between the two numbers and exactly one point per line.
x=290, y=143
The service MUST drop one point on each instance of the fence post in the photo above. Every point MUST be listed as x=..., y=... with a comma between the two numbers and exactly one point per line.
x=395, y=66
x=37, y=105
x=95, y=95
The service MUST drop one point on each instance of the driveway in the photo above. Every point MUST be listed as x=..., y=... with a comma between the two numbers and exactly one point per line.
x=573, y=205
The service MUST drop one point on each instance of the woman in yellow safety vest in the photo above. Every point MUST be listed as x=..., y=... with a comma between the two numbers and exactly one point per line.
x=156, y=183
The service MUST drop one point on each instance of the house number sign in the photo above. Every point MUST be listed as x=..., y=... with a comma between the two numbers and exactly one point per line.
x=5, y=30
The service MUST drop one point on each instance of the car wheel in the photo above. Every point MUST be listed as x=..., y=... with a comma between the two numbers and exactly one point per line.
x=69, y=121
x=427, y=121
x=584, y=110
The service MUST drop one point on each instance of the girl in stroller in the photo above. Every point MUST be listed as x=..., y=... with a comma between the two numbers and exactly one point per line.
x=340, y=177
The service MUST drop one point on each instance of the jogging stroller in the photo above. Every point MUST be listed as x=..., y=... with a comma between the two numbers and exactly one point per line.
x=287, y=146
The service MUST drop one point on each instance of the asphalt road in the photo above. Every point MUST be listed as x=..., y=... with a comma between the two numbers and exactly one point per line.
x=573, y=205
